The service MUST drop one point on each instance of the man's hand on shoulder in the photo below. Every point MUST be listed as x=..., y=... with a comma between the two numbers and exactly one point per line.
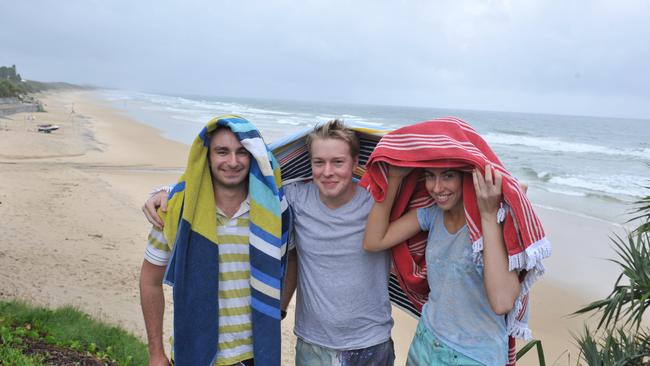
x=151, y=206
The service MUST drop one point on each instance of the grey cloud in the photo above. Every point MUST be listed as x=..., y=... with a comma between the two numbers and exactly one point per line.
x=582, y=57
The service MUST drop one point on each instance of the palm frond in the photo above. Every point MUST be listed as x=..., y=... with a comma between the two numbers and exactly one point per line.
x=641, y=211
x=540, y=351
x=630, y=297
x=613, y=348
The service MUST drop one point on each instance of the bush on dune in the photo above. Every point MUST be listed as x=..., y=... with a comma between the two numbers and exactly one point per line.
x=619, y=338
x=8, y=89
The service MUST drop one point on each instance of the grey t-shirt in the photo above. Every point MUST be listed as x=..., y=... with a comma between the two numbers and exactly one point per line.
x=342, y=300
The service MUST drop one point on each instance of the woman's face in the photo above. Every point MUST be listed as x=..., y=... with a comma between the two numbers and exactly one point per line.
x=446, y=187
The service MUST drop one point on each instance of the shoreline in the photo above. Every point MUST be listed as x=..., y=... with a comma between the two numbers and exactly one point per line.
x=577, y=189
x=76, y=234
x=176, y=122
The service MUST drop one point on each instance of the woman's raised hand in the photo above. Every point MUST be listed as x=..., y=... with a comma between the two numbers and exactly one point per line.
x=488, y=190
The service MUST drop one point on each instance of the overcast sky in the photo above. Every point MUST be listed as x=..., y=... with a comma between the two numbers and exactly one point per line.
x=587, y=57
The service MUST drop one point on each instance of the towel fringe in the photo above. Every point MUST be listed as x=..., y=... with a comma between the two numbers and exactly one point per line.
x=167, y=188
x=477, y=251
x=501, y=214
x=519, y=330
x=531, y=257
x=530, y=260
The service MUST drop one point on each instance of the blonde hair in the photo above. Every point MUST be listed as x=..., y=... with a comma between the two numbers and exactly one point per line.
x=335, y=129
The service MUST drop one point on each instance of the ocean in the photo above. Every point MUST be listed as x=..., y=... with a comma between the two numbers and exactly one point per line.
x=591, y=166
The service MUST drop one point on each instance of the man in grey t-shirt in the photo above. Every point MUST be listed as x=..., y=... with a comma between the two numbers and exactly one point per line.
x=342, y=294
x=343, y=313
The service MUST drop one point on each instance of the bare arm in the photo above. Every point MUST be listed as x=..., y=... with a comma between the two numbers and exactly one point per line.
x=150, y=208
x=290, y=279
x=380, y=233
x=152, y=300
x=502, y=286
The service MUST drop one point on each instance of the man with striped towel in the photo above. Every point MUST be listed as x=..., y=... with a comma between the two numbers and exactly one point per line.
x=223, y=249
x=338, y=323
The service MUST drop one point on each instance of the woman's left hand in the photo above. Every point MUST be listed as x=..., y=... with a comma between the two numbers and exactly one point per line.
x=488, y=190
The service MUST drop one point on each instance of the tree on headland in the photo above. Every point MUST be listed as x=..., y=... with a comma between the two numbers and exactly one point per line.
x=12, y=84
x=10, y=74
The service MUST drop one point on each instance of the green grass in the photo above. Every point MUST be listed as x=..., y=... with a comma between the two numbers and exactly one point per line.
x=13, y=356
x=65, y=327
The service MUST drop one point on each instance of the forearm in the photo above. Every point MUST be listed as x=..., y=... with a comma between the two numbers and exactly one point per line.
x=290, y=279
x=379, y=219
x=152, y=300
x=501, y=285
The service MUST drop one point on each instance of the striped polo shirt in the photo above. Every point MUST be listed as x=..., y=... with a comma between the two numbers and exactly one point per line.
x=235, y=316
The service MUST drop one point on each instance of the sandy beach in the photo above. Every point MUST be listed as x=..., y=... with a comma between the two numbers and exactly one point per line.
x=72, y=231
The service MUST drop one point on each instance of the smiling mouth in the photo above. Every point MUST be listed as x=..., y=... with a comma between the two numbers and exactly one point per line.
x=443, y=197
x=231, y=172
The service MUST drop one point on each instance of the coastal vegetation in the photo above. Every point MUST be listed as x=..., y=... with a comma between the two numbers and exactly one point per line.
x=65, y=336
x=620, y=338
x=12, y=85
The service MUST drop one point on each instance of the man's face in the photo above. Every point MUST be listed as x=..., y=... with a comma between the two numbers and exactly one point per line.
x=332, y=167
x=229, y=160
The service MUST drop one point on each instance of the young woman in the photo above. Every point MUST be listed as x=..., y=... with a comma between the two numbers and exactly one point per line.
x=462, y=322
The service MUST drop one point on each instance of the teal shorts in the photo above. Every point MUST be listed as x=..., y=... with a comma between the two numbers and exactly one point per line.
x=427, y=350
x=308, y=354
